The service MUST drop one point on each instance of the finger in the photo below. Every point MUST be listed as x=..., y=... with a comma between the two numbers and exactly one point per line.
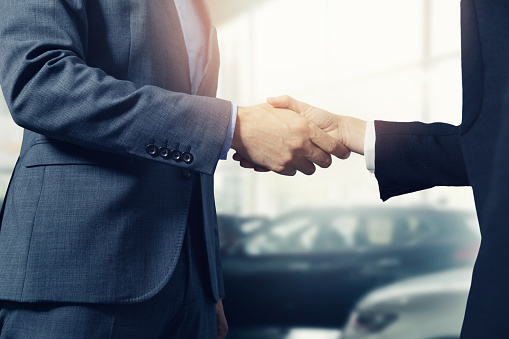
x=328, y=143
x=246, y=164
x=318, y=156
x=288, y=171
x=285, y=101
x=237, y=157
x=261, y=169
x=304, y=166
x=249, y=164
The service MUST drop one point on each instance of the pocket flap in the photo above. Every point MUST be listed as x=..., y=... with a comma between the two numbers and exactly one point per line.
x=61, y=153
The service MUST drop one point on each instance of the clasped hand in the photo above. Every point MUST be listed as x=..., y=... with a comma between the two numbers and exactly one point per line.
x=286, y=136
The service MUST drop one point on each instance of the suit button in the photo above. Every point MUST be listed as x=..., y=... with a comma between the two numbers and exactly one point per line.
x=176, y=155
x=187, y=158
x=187, y=173
x=151, y=149
x=164, y=152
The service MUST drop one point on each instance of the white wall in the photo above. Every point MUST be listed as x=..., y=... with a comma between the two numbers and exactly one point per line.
x=367, y=58
x=388, y=60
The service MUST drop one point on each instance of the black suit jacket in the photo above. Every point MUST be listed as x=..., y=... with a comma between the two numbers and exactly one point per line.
x=415, y=156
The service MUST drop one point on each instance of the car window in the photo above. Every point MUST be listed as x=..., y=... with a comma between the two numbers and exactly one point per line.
x=393, y=230
x=319, y=234
x=346, y=226
x=284, y=237
x=303, y=235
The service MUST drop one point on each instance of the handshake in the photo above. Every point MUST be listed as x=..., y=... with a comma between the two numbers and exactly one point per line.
x=286, y=136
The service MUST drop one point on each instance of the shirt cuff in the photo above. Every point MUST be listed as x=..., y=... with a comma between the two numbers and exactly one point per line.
x=369, y=146
x=229, y=133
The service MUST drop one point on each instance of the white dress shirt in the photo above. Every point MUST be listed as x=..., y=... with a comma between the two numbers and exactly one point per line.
x=195, y=21
x=369, y=146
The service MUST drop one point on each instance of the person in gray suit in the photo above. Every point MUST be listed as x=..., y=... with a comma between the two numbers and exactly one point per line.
x=108, y=228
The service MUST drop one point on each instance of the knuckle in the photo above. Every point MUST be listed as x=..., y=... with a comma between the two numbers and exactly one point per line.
x=330, y=145
x=298, y=145
x=302, y=127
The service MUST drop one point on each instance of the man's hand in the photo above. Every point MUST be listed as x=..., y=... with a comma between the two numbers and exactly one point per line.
x=347, y=130
x=268, y=138
x=222, y=325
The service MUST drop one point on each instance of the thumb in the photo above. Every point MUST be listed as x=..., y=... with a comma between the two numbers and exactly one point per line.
x=285, y=101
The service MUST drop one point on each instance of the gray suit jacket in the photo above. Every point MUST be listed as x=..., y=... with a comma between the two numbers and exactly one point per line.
x=92, y=215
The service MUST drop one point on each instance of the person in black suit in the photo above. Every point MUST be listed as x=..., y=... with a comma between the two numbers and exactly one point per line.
x=413, y=156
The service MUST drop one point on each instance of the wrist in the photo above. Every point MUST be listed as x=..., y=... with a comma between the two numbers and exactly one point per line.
x=354, y=133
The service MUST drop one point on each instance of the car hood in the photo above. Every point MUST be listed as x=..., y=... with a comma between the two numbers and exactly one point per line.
x=457, y=280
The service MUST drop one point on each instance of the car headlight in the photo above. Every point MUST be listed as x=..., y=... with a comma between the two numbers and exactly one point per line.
x=367, y=321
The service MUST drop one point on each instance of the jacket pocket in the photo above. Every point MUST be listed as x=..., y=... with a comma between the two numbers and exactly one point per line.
x=61, y=153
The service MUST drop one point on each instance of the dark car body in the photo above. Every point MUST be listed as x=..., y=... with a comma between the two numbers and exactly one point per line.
x=309, y=268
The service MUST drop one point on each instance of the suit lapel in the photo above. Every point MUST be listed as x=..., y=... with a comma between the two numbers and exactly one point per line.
x=178, y=35
x=207, y=85
x=208, y=82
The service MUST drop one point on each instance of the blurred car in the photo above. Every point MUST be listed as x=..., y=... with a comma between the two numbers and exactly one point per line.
x=309, y=268
x=426, y=307
x=283, y=333
x=232, y=228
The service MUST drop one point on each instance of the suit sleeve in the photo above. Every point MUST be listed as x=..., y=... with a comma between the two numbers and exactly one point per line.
x=50, y=89
x=413, y=156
